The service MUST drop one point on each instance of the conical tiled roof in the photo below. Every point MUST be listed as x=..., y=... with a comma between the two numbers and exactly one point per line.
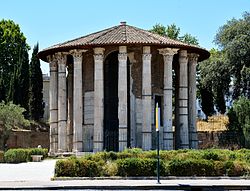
x=122, y=35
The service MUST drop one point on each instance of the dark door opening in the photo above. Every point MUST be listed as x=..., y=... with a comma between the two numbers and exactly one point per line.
x=111, y=122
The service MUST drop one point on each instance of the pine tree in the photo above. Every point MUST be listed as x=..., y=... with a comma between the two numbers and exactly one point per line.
x=36, y=87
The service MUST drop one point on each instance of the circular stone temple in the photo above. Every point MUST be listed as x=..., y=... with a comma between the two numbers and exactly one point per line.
x=104, y=87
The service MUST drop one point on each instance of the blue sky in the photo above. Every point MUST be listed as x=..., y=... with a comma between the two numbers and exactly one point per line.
x=53, y=21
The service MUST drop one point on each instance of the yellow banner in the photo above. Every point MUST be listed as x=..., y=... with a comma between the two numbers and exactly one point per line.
x=157, y=117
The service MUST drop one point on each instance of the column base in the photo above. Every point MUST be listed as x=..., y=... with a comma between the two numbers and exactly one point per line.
x=193, y=140
x=122, y=137
x=98, y=146
x=184, y=146
x=147, y=141
x=122, y=145
x=168, y=140
x=77, y=146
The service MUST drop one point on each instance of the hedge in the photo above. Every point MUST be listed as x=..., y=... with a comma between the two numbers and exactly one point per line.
x=77, y=167
x=135, y=162
x=23, y=155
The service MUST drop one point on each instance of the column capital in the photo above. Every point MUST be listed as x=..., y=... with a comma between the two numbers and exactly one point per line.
x=77, y=53
x=61, y=57
x=99, y=50
x=168, y=51
x=146, y=53
x=52, y=62
x=183, y=56
x=51, y=58
x=146, y=49
x=122, y=56
x=99, y=54
x=193, y=58
x=122, y=49
x=146, y=56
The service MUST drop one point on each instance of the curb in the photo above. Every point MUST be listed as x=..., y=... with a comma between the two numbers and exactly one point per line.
x=153, y=178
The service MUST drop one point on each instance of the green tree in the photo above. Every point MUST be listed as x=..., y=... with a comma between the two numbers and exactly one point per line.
x=159, y=29
x=234, y=39
x=173, y=32
x=14, y=64
x=215, y=75
x=36, y=87
x=189, y=39
x=207, y=103
x=11, y=117
x=241, y=114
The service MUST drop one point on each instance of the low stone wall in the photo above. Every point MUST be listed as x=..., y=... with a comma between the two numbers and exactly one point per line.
x=208, y=139
x=28, y=139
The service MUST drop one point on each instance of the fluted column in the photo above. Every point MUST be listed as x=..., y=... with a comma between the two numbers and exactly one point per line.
x=193, y=137
x=62, y=103
x=168, y=54
x=98, y=99
x=146, y=99
x=77, y=101
x=53, y=93
x=183, y=100
x=70, y=108
x=122, y=95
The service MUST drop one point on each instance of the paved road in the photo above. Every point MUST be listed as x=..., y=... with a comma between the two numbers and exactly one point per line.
x=30, y=171
x=127, y=185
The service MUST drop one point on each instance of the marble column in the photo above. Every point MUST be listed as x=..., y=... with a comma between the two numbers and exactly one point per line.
x=70, y=107
x=133, y=128
x=168, y=54
x=98, y=99
x=183, y=100
x=62, y=103
x=122, y=96
x=53, y=93
x=193, y=137
x=77, y=101
x=146, y=99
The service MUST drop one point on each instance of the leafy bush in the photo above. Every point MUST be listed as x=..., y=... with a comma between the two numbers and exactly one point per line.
x=23, y=155
x=219, y=169
x=38, y=151
x=211, y=162
x=77, y=167
x=191, y=167
x=16, y=155
x=65, y=168
x=136, y=167
x=87, y=168
x=110, y=169
x=11, y=116
x=210, y=155
x=239, y=119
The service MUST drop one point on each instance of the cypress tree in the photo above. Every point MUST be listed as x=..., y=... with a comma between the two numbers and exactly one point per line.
x=207, y=102
x=36, y=87
x=21, y=83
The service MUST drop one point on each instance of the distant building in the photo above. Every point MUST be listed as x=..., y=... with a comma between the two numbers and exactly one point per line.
x=46, y=97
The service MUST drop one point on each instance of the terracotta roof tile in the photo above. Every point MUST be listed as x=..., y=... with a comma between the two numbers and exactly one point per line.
x=121, y=34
